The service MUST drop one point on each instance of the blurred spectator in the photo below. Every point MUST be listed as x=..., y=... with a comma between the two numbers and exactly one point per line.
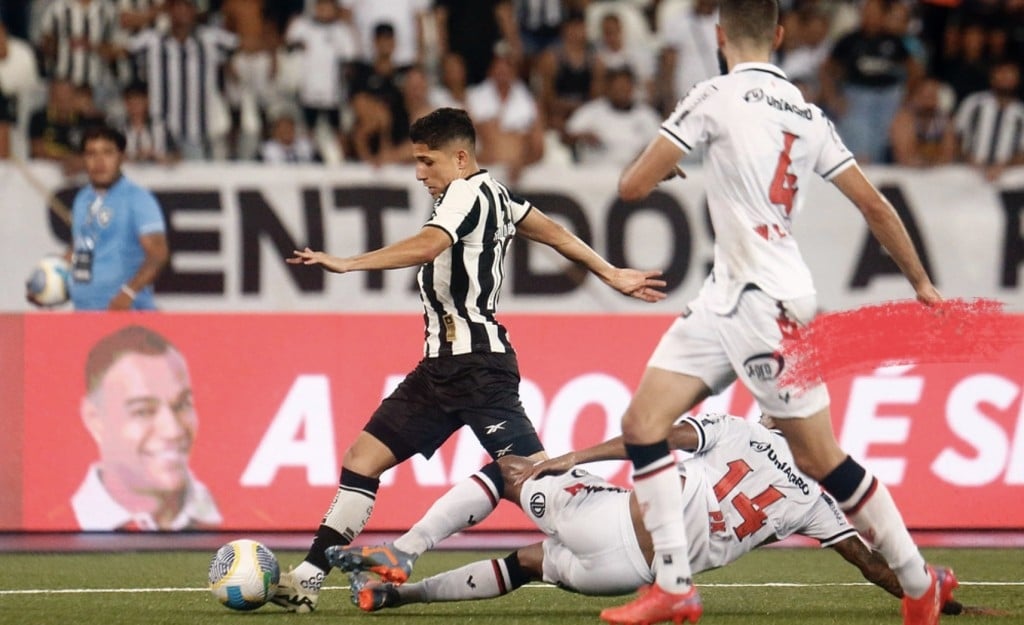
x=808, y=46
x=614, y=129
x=863, y=80
x=966, y=70
x=453, y=88
x=922, y=133
x=405, y=16
x=77, y=40
x=471, y=29
x=251, y=90
x=936, y=21
x=378, y=105
x=146, y=138
x=19, y=76
x=286, y=144
x=899, y=22
x=89, y=114
x=539, y=23
x=615, y=52
x=183, y=70
x=324, y=45
x=508, y=122
x=54, y=131
x=690, y=35
x=569, y=73
x=415, y=95
x=991, y=123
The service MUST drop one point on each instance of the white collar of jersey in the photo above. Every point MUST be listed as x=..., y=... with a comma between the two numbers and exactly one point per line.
x=760, y=67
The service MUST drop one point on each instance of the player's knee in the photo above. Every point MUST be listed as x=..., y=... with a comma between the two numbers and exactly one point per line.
x=368, y=456
x=639, y=427
x=529, y=561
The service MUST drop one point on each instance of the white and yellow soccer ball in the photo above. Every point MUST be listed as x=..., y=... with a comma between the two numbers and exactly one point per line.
x=47, y=285
x=244, y=574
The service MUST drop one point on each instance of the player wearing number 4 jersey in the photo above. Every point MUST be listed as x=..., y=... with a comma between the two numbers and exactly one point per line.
x=740, y=491
x=762, y=144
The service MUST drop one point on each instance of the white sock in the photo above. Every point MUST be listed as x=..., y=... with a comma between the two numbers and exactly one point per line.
x=309, y=576
x=658, y=491
x=465, y=504
x=874, y=513
x=478, y=580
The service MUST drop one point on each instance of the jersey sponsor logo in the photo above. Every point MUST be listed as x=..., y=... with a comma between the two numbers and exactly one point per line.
x=754, y=95
x=764, y=367
x=580, y=487
x=797, y=480
x=504, y=450
x=778, y=104
x=538, y=505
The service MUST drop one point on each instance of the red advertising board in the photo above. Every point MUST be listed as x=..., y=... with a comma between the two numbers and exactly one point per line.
x=279, y=397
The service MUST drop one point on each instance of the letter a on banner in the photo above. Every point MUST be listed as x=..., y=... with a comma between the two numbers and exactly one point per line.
x=306, y=408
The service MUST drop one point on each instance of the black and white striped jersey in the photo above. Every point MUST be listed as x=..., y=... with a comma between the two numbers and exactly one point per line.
x=990, y=134
x=184, y=77
x=77, y=29
x=460, y=288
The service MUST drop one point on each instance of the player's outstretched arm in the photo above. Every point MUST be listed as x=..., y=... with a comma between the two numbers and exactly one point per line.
x=888, y=228
x=421, y=248
x=643, y=285
x=876, y=570
x=682, y=436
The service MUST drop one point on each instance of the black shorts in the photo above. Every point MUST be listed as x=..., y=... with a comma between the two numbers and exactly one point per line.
x=443, y=394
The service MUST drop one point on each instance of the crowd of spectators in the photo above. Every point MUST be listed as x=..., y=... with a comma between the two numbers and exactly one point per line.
x=915, y=83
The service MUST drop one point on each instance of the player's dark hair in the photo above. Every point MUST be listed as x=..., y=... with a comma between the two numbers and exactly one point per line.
x=750, y=20
x=109, y=349
x=102, y=131
x=442, y=126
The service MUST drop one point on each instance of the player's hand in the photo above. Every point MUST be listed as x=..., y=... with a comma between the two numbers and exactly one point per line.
x=643, y=285
x=121, y=301
x=310, y=257
x=552, y=466
x=928, y=295
x=677, y=172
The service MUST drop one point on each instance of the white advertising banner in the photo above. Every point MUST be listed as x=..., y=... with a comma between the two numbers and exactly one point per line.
x=231, y=226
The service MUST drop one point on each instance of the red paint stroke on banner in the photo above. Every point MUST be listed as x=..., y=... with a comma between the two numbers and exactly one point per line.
x=898, y=333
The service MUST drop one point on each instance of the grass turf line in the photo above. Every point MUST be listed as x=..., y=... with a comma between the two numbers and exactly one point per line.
x=827, y=591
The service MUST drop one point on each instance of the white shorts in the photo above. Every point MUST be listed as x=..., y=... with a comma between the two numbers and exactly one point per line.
x=745, y=344
x=591, y=546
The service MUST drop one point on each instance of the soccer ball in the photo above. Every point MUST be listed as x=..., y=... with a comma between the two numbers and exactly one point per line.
x=47, y=285
x=244, y=574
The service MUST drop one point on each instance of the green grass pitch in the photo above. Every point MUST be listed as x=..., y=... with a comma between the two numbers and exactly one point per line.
x=791, y=586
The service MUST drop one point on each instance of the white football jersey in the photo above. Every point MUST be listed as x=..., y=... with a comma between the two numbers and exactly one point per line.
x=743, y=489
x=763, y=141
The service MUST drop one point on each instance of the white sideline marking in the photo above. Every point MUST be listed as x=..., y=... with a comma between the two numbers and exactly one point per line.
x=72, y=591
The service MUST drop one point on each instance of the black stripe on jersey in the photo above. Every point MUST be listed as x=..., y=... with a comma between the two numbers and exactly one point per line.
x=201, y=62
x=993, y=146
x=841, y=163
x=487, y=253
x=460, y=276
x=677, y=138
x=427, y=280
x=702, y=438
x=831, y=540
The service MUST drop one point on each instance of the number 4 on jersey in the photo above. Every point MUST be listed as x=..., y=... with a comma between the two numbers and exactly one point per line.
x=784, y=183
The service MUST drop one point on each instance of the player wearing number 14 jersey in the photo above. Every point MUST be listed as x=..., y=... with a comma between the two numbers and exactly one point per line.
x=740, y=491
x=762, y=144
